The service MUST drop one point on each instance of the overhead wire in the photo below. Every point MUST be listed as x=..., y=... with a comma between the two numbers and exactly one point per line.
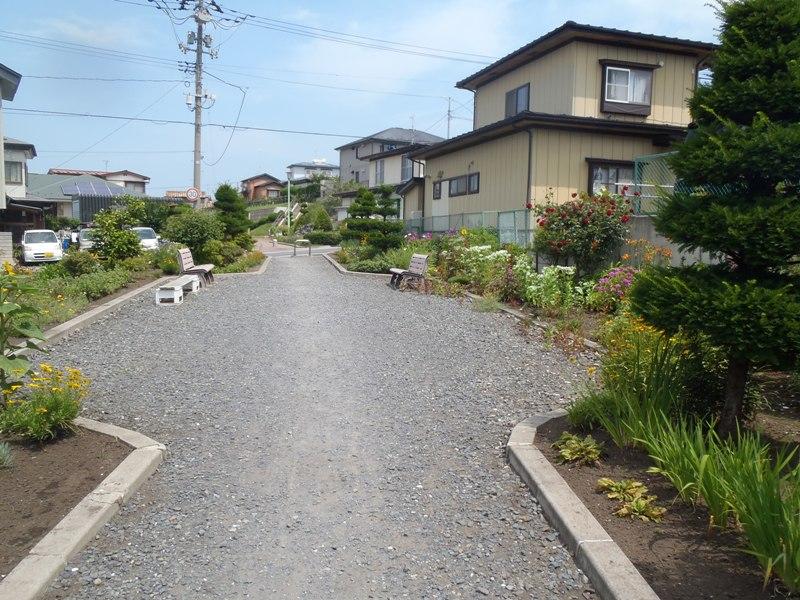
x=238, y=115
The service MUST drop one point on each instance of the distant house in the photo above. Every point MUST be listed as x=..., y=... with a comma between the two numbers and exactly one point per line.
x=353, y=162
x=567, y=113
x=261, y=187
x=133, y=182
x=302, y=172
x=76, y=196
x=22, y=209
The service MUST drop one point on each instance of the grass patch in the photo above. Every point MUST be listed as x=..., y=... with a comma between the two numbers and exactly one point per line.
x=486, y=304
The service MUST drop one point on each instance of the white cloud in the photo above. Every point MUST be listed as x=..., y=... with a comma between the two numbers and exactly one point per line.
x=120, y=33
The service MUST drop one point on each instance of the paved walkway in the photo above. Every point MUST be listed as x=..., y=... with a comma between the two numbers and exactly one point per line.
x=328, y=438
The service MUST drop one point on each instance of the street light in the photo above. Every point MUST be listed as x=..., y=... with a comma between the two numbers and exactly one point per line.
x=289, y=198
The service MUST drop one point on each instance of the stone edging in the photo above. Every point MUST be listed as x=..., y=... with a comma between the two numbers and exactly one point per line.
x=609, y=569
x=344, y=271
x=54, y=334
x=259, y=271
x=32, y=576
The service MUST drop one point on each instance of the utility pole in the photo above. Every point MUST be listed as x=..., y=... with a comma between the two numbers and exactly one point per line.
x=201, y=41
x=199, y=13
x=449, y=115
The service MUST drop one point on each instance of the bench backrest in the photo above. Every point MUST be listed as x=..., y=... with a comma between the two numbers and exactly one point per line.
x=418, y=264
x=185, y=259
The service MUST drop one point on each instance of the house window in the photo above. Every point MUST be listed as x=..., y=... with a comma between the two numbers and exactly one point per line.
x=518, y=100
x=611, y=176
x=379, y=171
x=407, y=169
x=14, y=172
x=437, y=190
x=473, y=183
x=627, y=90
x=458, y=186
x=357, y=176
x=273, y=193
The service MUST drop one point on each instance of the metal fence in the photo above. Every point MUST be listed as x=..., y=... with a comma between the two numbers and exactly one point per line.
x=512, y=226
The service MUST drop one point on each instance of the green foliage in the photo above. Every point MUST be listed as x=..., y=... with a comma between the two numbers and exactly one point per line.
x=324, y=238
x=79, y=262
x=245, y=241
x=643, y=508
x=388, y=204
x=313, y=216
x=244, y=263
x=155, y=213
x=381, y=235
x=401, y=257
x=624, y=490
x=745, y=145
x=112, y=237
x=138, y=264
x=220, y=253
x=56, y=223
x=581, y=413
x=551, y=292
x=98, y=284
x=370, y=265
x=6, y=458
x=586, y=230
x=573, y=449
x=194, y=229
x=363, y=206
x=46, y=407
x=18, y=330
x=231, y=210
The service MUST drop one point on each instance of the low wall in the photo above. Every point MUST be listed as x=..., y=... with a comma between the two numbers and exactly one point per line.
x=642, y=227
x=6, y=247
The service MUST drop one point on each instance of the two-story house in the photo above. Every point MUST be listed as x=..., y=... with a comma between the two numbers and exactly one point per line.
x=303, y=171
x=132, y=182
x=261, y=187
x=354, y=163
x=567, y=113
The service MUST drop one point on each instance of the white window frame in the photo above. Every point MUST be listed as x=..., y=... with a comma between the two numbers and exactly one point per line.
x=21, y=167
x=380, y=171
x=630, y=72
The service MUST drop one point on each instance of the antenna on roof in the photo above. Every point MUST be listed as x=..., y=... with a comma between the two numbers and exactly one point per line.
x=412, y=129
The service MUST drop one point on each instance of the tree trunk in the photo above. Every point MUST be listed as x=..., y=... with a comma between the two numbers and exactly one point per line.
x=738, y=371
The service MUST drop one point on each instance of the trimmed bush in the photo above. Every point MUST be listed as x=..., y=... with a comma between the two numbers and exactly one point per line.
x=193, y=230
x=382, y=235
x=326, y=238
x=370, y=265
x=78, y=262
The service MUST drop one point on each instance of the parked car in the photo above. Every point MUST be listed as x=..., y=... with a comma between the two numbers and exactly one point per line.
x=86, y=238
x=41, y=245
x=147, y=238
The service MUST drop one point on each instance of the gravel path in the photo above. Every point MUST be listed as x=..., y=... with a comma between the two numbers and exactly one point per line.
x=328, y=438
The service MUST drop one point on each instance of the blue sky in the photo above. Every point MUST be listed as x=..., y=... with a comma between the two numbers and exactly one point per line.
x=253, y=58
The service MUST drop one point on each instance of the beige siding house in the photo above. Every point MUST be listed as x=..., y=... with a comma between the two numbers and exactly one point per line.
x=567, y=113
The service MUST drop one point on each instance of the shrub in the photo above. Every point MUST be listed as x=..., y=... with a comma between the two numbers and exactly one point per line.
x=193, y=230
x=324, y=238
x=244, y=240
x=586, y=230
x=98, y=284
x=220, y=253
x=244, y=263
x=78, y=262
x=47, y=404
x=573, y=449
x=138, y=264
x=231, y=210
x=6, y=458
x=166, y=259
x=51, y=271
x=552, y=291
x=381, y=235
x=112, y=236
x=581, y=413
x=169, y=265
x=370, y=265
x=611, y=288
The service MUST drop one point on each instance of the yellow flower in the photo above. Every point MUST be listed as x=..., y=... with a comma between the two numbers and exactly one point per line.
x=46, y=368
x=8, y=268
x=41, y=410
x=626, y=256
x=591, y=371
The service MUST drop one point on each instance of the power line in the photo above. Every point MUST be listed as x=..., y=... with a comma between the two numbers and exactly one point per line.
x=238, y=114
x=39, y=151
x=107, y=79
x=58, y=113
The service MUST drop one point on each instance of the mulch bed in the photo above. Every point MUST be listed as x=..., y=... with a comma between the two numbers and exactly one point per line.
x=45, y=482
x=677, y=557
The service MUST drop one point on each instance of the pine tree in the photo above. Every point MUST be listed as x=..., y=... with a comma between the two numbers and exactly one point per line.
x=364, y=205
x=739, y=199
x=231, y=209
x=387, y=202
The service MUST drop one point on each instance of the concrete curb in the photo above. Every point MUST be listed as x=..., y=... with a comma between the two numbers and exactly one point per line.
x=344, y=271
x=518, y=314
x=611, y=572
x=259, y=271
x=55, y=334
x=34, y=573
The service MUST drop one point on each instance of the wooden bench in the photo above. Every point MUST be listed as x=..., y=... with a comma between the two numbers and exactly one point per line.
x=173, y=291
x=189, y=268
x=416, y=270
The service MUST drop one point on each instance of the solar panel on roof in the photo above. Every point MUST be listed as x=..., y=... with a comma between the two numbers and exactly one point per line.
x=86, y=188
x=69, y=189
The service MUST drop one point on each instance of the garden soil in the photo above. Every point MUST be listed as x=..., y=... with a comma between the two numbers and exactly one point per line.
x=678, y=557
x=45, y=482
